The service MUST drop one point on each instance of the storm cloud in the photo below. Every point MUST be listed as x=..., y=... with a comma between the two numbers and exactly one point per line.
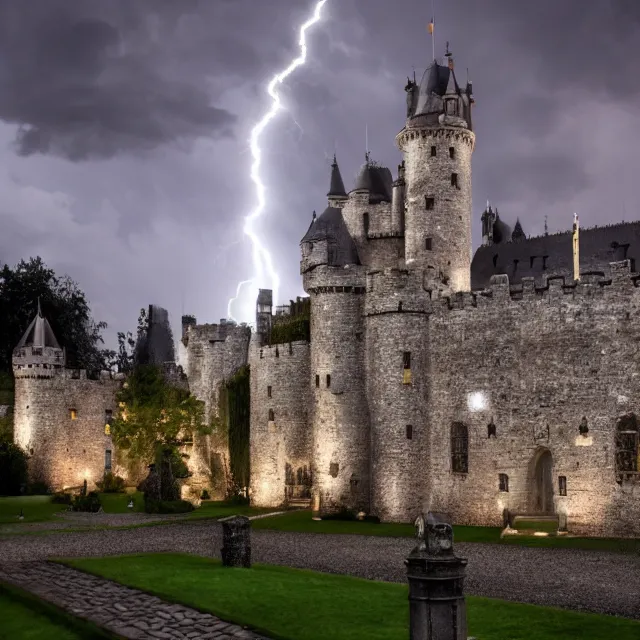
x=165, y=93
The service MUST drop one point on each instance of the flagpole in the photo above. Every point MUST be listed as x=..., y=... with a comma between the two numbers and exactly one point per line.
x=433, y=29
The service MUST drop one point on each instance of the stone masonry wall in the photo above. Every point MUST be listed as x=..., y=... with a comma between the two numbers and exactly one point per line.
x=340, y=422
x=397, y=322
x=279, y=382
x=214, y=352
x=533, y=361
x=448, y=223
x=65, y=451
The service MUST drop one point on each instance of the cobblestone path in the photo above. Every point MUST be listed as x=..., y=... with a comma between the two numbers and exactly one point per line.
x=124, y=611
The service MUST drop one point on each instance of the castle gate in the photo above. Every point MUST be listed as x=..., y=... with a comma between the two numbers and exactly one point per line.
x=541, y=483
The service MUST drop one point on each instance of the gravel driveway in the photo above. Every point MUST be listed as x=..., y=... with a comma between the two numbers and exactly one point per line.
x=582, y=580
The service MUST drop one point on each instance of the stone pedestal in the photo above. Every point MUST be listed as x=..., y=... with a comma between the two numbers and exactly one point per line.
x=437, y=609
x=236, y=540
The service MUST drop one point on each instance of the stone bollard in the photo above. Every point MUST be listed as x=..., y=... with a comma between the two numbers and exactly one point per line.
x=236, y=541
x=437, y=609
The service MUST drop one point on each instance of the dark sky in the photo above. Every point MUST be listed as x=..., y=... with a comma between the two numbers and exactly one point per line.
x=124, y=127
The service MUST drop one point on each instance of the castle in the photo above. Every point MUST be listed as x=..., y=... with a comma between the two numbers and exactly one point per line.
x=427, y=380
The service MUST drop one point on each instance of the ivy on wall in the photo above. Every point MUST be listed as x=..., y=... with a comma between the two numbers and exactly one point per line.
x=232, y=426
x=295, y=325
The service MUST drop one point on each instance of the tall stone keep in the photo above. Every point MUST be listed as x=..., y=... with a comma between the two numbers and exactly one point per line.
x=437, y=142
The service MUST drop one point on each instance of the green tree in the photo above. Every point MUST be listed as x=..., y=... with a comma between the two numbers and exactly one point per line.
x=154, y=417
x=63, y=303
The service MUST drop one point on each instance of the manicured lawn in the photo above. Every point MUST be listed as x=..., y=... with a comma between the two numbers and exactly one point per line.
x=302, y=521
x=118, y=502
x=24, y=617
x=35, y=509
x=292, y=604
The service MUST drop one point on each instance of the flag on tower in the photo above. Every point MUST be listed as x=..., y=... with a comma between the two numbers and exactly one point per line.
x=431, y=25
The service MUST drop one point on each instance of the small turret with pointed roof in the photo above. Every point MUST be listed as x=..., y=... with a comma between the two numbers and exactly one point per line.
x=518, y=233
x=38, y=354
x=337, y=192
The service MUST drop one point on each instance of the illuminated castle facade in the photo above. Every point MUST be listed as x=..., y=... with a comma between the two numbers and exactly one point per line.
x=434, y=381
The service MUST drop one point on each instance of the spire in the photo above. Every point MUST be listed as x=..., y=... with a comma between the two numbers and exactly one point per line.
x=336, y=188
x=39, y=309
x=518, y=233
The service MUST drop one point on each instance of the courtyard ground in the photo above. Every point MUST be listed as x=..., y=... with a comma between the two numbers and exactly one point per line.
x=595, y=581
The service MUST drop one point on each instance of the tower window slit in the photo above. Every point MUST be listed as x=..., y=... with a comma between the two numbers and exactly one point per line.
x=328, y=381
x=268, y=391
x=429, y=202
x=433, y=151
x=409, y=431
x=452, y=152
x=454, y=179
x=428, y=244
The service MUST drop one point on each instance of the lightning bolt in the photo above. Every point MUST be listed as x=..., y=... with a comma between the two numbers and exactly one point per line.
x=262, y=261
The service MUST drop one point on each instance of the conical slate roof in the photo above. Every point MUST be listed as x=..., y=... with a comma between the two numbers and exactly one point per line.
x=336, y=188
x=375, y=179
x=518, y=233
x=330, y=227
x=39, y=333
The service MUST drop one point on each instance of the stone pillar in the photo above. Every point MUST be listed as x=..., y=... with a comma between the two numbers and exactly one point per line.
x=236, y=541
x=437, y=609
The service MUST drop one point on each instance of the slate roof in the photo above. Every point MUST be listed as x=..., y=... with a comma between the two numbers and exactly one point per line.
x=336, y=188
x=598, y=247
x=375, y=179
x=39, y=333
x=330, y=227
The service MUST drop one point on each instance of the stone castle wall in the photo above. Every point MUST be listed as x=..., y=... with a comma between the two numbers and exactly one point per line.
x=281, y=440
x=65, y=451
x=533, y=361
x=214, y=352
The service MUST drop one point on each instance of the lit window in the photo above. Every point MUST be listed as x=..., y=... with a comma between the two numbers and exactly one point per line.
x=73, y=414
x=406, y=366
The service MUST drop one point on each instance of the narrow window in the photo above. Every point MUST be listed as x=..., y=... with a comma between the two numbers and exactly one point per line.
x=491, y=429
x=452, y=152
x=532, y=259
x=495, y=260
x=562, y=485
x=277, y=352
x=73, y=414
x=429, y=202
x=454, y=179
x=317, y=380
x=515, y=265
x=409, y=432
x=428, y=244
x=433, y=152
x=328, y=381
x=503, y=480
x=261, y=354
x=459, y=448
x=107, y=459
x=406, y=367
x=627, y=446
x=365, y=222
x=268, y=391
x=544, y=263
x=108, y=418
x=272, y=416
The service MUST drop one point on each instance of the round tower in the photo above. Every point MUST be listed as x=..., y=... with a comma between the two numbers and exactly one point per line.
x=339, y=418
x=437, y=142
x=396, y=371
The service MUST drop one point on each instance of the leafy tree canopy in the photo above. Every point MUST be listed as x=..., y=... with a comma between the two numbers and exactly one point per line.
x=63, y=303
x=154, y=415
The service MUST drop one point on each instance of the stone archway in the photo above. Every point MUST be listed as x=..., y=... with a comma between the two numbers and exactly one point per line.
x=541, y=483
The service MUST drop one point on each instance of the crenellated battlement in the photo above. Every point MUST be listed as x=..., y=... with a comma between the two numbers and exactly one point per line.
x=215, y=332
x=325, y=279
x=552, y=289
x=419, y=129
x=290, y=350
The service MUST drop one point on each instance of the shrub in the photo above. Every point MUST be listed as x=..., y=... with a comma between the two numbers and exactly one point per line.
x=343, y=514
x=205, y=495
x=237, y=500
x=165, y=506
x=62, y=498
x=373, y=519
x=38, y=488
x=111, y=483
x=13, y=469
x=89, y=503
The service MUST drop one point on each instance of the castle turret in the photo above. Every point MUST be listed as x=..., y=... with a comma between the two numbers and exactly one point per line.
x=339, y=419
x=38, y=354
x=264, y=311
x=337, y=194
x=397, y=202
x=437, y=142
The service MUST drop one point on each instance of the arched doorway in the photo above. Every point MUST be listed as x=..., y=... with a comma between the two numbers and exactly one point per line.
x=541, y=483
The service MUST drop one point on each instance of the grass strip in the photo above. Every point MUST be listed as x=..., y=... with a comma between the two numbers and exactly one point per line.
x=295, y=604
x=24, y=616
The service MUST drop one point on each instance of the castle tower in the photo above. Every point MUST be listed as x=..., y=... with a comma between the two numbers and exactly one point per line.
x=337, y=194
x=339, y=421
x=264, y=311
x=437, y=142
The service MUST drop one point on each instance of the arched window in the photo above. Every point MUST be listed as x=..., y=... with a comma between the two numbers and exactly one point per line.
x=459, y=448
